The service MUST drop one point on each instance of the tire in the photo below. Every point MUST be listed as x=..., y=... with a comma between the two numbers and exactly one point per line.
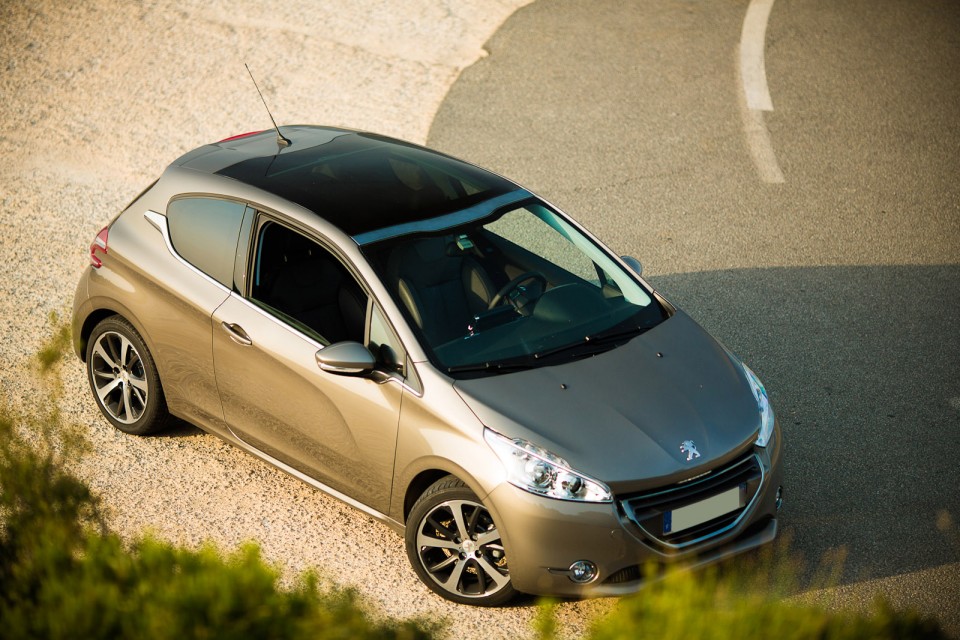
x=123, y=378
x=466, y=568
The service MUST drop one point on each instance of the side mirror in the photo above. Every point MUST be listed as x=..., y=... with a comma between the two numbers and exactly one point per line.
x=634, y=264
x=346, y=358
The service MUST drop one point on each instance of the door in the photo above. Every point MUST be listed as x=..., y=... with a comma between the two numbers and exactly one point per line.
x=340, y=430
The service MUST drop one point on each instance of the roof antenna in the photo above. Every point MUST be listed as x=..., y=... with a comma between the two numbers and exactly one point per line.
x=281, y=141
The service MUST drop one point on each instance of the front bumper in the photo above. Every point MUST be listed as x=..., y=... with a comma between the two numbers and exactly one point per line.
x=544, y=537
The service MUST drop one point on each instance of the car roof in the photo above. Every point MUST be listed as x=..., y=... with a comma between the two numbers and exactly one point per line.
x=367, y=185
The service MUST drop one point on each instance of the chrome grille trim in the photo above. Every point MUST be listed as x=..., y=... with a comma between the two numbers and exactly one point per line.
x=702, y=487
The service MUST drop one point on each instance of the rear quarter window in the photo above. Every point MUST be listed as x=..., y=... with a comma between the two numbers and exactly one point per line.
x=204, y=232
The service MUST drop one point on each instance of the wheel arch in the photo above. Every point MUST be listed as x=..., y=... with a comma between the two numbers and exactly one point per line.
x=86, y=329
x=481, y=472
x=99, y=311
x=420, y=483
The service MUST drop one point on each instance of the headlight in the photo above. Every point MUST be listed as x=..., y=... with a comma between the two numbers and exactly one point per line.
x=763, y=403
x=538, y=471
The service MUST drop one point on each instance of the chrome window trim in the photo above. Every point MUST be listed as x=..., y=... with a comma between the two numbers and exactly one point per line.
x=159, y=222
x=269, y=316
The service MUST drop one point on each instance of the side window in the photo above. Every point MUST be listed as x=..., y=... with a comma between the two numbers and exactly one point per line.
x=204, y=231
x=297, y=280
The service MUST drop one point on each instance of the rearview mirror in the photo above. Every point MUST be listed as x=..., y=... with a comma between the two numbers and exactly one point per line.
x=634, y=264
x=346, y=358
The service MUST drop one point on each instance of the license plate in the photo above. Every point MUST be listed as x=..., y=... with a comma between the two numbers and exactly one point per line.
x=703, y=511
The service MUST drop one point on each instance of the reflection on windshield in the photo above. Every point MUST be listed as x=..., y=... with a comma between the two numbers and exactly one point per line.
x=519, y=289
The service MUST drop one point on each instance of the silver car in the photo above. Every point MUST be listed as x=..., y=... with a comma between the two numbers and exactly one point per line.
x=437, y=347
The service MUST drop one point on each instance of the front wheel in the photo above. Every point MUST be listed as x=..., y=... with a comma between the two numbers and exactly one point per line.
x=455, y=547
x=123, y=378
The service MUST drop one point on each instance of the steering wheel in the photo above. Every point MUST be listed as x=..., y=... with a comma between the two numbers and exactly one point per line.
x=514, y=285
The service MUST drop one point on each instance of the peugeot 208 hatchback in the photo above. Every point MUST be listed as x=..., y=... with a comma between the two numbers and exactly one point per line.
x=439, y=348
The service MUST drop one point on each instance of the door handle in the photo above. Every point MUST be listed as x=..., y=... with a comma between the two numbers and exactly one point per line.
x=237, y=334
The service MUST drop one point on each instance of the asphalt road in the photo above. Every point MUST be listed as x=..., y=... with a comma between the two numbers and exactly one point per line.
x=839, y=285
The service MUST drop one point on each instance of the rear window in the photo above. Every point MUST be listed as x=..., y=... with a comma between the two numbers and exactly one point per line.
x=205, y=231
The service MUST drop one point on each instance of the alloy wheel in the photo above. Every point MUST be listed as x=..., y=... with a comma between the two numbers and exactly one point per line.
x=459, y=546
x=119, y=378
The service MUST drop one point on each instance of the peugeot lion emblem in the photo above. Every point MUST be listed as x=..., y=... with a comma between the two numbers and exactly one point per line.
x=689, y=448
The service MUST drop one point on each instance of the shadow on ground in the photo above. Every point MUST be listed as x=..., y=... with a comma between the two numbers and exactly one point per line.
x=863, y=367
x=179, y=428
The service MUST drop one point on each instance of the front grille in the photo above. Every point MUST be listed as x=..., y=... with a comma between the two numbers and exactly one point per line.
x=656, y=512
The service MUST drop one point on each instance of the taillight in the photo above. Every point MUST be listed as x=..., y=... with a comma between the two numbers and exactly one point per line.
x=242, y=135
x=99, y=246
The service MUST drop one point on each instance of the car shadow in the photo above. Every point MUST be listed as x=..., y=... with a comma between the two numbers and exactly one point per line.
x=862, y=365
x=178, y=428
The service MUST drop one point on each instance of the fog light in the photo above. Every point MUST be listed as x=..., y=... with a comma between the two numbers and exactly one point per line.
x=779, y=498
x=583, y=571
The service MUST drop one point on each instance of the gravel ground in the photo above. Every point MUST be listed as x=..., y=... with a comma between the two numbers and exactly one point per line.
x=98, y=97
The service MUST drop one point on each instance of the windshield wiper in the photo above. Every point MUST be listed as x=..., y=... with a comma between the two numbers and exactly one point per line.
x=601, y=339
x=491, y=367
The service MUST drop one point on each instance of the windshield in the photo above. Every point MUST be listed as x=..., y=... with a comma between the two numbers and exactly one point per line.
x=517, y=289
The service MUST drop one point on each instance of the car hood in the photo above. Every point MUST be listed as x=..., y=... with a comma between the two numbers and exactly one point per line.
x=621, y=416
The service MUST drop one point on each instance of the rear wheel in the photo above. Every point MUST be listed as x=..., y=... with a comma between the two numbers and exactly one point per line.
x=123, y=378
x=455, y=547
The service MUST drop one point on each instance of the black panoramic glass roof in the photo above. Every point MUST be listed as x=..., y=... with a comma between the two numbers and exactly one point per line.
x=363, y=182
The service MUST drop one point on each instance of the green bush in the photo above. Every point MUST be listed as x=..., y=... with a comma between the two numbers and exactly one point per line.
x=740, y=602
x=64, y=575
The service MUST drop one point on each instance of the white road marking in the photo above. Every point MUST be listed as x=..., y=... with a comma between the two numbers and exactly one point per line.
x=753, y=71
x=756, y=95
x=761, y=150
